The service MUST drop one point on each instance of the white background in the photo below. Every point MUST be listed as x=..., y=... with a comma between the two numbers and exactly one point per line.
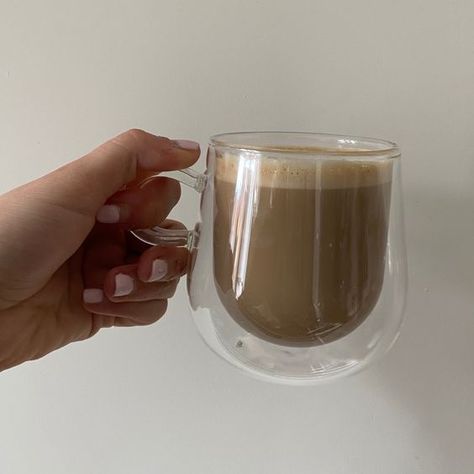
x=155, y=400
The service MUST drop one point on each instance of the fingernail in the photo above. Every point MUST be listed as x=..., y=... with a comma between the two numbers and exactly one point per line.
x=159, y=268
x=124, y=284
x=92, y=295
x=108, y=214
x=187, y=144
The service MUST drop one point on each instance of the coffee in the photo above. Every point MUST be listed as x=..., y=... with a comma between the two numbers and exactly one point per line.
x=299, y=246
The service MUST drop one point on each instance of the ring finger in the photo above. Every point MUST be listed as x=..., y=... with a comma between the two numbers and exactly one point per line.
x=122, y=284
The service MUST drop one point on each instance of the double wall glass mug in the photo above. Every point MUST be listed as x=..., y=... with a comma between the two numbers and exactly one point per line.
x=297, y=269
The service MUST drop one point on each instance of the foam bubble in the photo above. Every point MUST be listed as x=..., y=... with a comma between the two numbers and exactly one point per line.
x=295, y=172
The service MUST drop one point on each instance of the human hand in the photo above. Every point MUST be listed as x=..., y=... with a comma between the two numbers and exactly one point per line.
x=67, y=265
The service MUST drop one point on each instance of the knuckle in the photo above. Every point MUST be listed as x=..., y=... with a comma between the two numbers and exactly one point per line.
x=171, y=288
x=175, y=192
x=171, y=187
x=172, y=224
x=136, y=133
x=139, y=135
x=162, y=308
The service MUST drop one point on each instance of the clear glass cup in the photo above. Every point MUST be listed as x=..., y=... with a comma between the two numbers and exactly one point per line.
x=297, y=269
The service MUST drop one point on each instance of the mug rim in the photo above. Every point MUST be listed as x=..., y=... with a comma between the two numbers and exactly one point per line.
x=307, y=143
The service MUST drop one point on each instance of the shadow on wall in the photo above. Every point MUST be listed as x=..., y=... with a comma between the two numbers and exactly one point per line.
x=430, y=371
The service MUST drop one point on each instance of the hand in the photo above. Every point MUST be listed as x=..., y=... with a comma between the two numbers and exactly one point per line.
x=67, y=265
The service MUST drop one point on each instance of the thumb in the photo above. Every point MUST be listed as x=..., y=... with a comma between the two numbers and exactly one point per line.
x=85, y=184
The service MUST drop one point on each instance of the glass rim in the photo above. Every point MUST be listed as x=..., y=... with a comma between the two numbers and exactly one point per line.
x=307, y=143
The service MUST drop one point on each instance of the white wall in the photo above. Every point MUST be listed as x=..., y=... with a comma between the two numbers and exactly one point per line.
x=155, y=399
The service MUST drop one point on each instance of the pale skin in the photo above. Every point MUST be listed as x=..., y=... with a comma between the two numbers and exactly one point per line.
x=68, y=266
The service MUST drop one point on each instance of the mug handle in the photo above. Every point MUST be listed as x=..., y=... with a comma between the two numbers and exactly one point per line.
x=173, y=237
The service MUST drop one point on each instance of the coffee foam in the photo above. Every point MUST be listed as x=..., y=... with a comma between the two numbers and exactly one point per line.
x=295, y=173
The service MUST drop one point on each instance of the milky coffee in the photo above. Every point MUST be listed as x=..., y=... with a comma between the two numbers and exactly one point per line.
x=299, y=246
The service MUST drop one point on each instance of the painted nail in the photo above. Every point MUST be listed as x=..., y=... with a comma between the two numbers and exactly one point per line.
x=187, y=144
x=108, y=214
x=159, y=269
x=124, y=284
x=92, y=296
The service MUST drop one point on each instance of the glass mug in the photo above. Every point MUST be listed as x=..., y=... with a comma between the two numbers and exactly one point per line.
x=297, y=270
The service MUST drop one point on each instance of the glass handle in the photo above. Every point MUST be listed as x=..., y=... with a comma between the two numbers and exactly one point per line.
x=173, y=237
